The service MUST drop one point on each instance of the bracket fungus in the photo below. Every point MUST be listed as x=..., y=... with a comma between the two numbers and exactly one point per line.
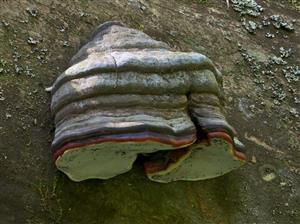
x=126, y=94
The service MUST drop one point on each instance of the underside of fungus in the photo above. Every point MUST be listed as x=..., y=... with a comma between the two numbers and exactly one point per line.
x=126, y=94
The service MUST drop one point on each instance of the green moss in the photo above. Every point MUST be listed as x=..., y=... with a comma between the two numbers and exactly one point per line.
x=202, y=1
x=296, y=4
x=293, y=141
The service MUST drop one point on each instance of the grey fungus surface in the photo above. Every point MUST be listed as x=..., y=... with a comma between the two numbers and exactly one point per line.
x=126, y=94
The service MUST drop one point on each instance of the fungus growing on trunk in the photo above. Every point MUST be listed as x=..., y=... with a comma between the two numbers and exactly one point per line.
x=126, y=94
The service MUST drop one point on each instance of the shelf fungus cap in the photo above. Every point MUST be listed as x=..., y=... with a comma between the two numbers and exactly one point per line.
x=126, y=94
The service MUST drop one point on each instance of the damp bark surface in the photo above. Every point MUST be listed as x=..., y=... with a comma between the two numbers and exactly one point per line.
x=38, y=39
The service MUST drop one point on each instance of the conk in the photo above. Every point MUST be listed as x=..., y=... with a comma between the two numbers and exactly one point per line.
x=126, y=94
